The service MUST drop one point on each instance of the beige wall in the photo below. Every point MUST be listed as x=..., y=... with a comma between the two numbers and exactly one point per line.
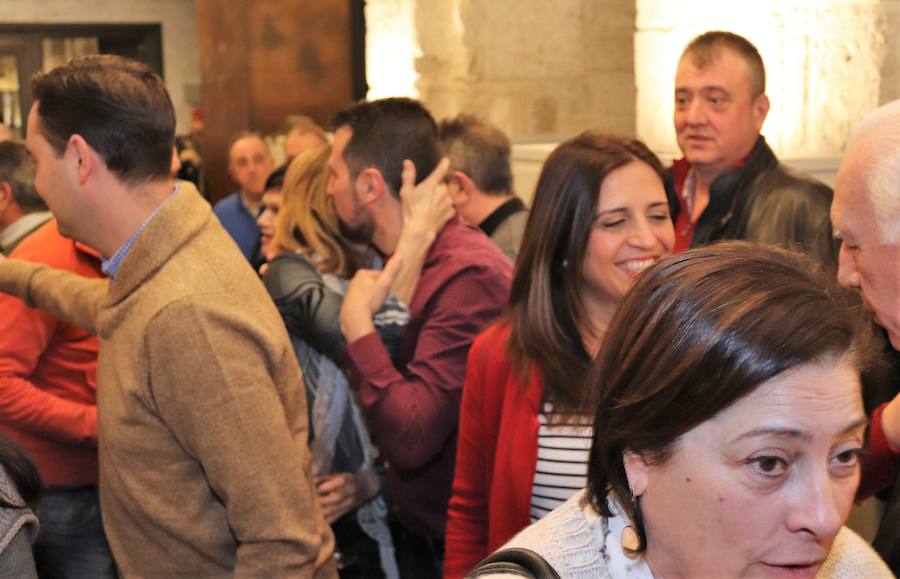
x=535, y=68
x=179, y=33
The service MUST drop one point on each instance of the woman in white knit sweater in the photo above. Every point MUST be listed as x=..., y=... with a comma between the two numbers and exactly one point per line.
x=728, y=428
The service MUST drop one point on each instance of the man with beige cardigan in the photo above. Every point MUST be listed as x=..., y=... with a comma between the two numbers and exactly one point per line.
x=204, y=466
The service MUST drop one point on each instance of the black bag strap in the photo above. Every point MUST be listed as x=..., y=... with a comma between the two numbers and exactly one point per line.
x=521, y=562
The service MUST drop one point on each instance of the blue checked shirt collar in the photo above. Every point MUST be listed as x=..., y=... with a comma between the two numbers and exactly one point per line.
x=111, y=266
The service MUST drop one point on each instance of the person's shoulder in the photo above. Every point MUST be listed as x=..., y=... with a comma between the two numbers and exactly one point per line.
x=287, y=272
x=514, y=223
x=290, y=260
x=220, y=311
x=226, y=204
x=851, y=557
x=465, y=246
x=786, y=180
x=560, y=538
x=46, y=245
x=494, y=336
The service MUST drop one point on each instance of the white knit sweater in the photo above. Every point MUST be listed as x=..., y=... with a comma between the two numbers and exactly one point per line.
x=566, y=539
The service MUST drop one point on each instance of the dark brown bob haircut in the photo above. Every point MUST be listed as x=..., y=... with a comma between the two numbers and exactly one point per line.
x=705, y=48
x=119, y=106
x=387, y=131
x=545, y=307
x=698, y=332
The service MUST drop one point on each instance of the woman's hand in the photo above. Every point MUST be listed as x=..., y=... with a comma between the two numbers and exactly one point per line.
x=365, y=295
x=890, y=422
x=344, y=492
x=426, y=206
x=426, y=209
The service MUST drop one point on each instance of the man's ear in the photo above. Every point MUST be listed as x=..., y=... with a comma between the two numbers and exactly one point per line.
x=637, y=469
x=370, y=186
x=466, y=183
x=5, y=195
x=83, y=156
x=460, y=188
x=760, y=110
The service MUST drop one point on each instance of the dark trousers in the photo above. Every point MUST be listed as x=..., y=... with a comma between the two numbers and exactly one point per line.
x=418, y=556
x=71, y=542
x=356, y=552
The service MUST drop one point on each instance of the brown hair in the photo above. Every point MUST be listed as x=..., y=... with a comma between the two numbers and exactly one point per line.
x=705, y=48
x=119, y=106
x=545, y=306
x=698, y=332
x=306, y=221
x=385, y=132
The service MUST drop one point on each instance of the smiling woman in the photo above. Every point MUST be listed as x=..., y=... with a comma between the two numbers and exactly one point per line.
x=599, y=218
x=728, y=427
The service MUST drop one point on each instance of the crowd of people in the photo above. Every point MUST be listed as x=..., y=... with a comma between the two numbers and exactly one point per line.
x=376, y=361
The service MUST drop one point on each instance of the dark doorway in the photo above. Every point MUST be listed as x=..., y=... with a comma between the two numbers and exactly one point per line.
x=29, y=49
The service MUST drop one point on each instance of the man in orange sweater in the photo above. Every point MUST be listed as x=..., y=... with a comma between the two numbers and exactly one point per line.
x=48, y=405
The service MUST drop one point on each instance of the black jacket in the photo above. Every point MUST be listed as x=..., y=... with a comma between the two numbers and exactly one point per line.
x=765, y=201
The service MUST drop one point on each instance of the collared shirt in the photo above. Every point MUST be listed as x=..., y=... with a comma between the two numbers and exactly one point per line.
x=686, y=190
x=20, y=228
x=510, y=207
x=111, y=266
x=506, y=226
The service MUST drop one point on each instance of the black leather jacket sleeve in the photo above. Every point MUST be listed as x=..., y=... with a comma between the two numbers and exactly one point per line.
x=310, y=309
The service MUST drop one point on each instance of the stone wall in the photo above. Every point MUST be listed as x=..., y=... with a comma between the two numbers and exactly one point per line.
x=179, y=34
x=535, y=68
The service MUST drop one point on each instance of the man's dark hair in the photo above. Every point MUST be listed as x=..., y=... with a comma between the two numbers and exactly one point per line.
x=17, y=169
x=480, y=150
x=705, y=48
x=119, y=106
x=387, y=131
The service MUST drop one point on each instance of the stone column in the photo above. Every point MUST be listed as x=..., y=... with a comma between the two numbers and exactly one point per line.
x=537, y=69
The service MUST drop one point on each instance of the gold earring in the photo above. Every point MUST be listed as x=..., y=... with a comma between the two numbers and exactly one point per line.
x=629, y=539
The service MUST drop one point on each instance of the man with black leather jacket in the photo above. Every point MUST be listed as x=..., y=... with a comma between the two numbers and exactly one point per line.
x=729, y=184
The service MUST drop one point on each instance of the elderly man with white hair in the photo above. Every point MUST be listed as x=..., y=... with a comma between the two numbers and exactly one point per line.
x=866, y=216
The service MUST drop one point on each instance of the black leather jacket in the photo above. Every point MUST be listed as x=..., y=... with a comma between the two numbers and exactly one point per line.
x=767, y=202
x=311, y=310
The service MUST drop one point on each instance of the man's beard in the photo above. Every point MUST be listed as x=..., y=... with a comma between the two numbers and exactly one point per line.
x=362, y=233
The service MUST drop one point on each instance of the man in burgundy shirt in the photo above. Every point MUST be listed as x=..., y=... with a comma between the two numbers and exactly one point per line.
x=412, y=402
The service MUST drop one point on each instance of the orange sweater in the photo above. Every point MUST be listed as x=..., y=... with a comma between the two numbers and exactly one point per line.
x=48, y=369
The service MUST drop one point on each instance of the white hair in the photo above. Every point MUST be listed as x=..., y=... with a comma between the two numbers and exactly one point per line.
x=880, y=131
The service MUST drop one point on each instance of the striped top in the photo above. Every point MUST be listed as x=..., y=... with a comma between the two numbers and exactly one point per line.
x=564, y=442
